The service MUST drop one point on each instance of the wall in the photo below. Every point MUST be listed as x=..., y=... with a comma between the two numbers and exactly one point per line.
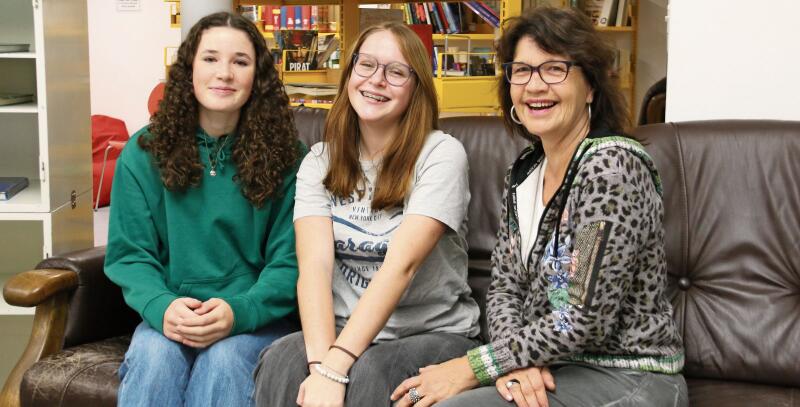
x=126, y=56
x=733, y=59
x=651, y=50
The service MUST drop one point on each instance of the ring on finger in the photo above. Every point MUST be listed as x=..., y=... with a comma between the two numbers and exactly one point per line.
x=414, y=395
x=511, y=383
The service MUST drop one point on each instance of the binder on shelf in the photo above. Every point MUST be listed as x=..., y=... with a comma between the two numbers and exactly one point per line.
x=607, y=13
x=10, y=186
x=15, y=98
x=622, y=13
x=14, y=47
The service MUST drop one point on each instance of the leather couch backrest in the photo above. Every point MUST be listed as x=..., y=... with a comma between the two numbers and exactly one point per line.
x=490, y=151
x=732, y=222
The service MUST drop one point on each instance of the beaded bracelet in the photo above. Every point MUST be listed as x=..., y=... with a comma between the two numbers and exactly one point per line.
x=313, y=362
x=328, y=374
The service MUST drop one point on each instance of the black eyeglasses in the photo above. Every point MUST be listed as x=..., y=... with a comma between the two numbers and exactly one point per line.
x=551, y=72
x=395, y=73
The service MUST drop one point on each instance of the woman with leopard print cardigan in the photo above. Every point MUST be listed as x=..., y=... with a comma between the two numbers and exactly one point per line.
x=577, y=301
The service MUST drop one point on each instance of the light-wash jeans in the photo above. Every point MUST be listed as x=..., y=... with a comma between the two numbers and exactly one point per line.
x=160, y=372
x=582, y=385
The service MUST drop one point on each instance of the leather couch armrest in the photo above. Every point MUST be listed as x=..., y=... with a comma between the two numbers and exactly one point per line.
x=31, y=288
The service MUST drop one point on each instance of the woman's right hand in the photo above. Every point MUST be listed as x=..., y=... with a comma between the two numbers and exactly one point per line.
x=179, y=309
x=318, y=391
x=529, y=386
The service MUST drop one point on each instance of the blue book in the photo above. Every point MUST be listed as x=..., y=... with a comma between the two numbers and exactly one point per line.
x=9, y=186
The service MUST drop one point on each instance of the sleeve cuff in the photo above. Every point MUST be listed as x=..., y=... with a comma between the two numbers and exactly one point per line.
x=487, y=362
x=244, y=315
x=154, y=311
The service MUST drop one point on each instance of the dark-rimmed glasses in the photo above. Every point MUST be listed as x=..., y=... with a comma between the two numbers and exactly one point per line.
x=551, y=72
x=395, y=73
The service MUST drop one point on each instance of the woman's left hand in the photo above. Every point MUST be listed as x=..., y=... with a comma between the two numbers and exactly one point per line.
x=526, y=387
x=436, y=383
x=213, y=322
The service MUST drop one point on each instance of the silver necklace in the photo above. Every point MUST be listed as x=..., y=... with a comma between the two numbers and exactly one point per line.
x=217, y=157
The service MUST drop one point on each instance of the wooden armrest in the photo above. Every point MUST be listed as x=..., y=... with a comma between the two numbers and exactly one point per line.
x=31, y=288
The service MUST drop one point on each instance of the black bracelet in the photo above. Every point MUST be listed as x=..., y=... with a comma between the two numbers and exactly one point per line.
x=351, y=354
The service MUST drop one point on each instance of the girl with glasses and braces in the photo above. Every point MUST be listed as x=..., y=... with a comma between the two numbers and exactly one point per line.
x=577, y=308
x=380, y=219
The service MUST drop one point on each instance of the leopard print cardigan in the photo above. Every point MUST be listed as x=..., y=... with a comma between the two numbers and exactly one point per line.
x=593, y=290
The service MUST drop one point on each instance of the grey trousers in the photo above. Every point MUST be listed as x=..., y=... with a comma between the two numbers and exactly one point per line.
x=381, y=368
x=585, y=385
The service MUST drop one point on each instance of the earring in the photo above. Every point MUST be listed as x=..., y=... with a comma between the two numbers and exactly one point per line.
x=513, y=116
x=590, y=113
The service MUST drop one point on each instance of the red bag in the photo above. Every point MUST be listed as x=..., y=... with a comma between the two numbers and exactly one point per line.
x=106, y=131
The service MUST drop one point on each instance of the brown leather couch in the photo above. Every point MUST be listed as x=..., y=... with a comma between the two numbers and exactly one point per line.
x=732, y=199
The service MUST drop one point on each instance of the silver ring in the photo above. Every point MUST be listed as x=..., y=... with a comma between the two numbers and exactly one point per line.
x=413, y=394
x=511, y=383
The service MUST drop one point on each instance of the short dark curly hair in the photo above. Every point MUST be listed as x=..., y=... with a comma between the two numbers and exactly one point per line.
x=266, y=146
x=570, y=33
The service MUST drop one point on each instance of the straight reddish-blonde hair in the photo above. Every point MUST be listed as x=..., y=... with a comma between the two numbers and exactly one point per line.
x=342, y=133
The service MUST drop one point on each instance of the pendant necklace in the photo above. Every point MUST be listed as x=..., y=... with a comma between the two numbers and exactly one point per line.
x=217, y=157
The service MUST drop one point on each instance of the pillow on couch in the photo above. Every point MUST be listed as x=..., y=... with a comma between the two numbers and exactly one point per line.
x=105, y=129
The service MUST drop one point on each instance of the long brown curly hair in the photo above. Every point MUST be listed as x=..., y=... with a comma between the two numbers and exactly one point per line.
x=266, y=146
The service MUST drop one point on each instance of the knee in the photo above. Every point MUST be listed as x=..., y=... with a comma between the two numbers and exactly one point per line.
x=151, y=348
x=288, y=353
x=225, y=356
x=375, y=365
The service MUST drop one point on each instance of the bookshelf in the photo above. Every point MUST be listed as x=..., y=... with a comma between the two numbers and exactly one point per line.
x=49, y=140
x=624, y=39
x=469, y=94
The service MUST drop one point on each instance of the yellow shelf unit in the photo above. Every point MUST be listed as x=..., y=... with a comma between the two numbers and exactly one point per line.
x=456, y=94
x=627, y=35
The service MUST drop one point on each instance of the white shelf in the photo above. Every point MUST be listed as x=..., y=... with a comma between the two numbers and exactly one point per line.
x=29, y=107
x=17, y=55
x=27, y=200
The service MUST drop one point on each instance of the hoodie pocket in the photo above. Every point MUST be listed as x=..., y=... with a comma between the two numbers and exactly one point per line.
x=203, y=289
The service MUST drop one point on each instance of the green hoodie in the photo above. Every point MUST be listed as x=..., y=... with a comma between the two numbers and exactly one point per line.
x=204, y=242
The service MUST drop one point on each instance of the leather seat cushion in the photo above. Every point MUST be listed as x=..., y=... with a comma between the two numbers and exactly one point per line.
x=704, y=392
x=83, y=375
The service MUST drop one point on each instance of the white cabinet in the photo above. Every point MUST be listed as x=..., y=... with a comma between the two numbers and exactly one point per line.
x=49, y=140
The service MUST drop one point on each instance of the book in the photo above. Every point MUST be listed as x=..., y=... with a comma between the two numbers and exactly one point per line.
x=593, y=9
x=10, y=186
x=328, y=45
x=622, y=13
x=607, y=13
x=4, y=47
x=302, y=49
x=15, y=98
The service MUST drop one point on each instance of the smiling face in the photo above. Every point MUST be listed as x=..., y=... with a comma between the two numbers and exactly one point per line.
x=550, y=111
x=222, y=71
x=378, y=103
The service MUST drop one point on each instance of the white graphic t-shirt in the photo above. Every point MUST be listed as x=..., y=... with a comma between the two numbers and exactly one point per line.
x=438, y=298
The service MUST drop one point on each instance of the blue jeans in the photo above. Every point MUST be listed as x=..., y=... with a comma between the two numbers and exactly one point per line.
x=160, y=372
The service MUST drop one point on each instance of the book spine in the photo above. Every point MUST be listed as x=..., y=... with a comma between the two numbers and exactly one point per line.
x=607, y=13
x=298, y=17
x=481, y=13
x=435, y=17
x=285, y=18
x=622, y=13
x=448, y=15
x=489, y=10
